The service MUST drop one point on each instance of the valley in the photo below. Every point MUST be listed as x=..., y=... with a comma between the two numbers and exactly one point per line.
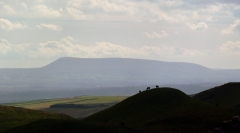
x=78, y=113
x=165, y=110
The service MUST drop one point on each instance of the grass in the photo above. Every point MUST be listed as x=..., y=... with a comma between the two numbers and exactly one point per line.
x=75, y=112
x=163, y=110
x=67, y=126
x=41, y=104
x=11, y=117
x=227, y=95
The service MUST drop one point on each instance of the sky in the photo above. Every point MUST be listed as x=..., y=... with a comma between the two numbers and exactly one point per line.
x=34, y=33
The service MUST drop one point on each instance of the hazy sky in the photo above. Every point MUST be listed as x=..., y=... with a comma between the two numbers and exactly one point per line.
x=35, y=32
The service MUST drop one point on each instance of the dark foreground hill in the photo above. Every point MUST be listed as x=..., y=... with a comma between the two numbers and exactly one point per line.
x=11, y=117
x=227, y=95
x=162, y=110
x=67, y=126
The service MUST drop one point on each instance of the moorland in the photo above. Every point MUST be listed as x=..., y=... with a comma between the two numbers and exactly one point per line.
x=165, y=110
x=95, y=104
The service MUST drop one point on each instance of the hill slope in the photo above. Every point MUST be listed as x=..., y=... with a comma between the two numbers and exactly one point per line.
x=66, y=126
x=162, y=110
x=227, y=95
x=11, y=117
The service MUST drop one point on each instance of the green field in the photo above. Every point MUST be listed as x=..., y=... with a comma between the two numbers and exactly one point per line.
x=79, y=113
x=11, y=117
x=14, y=117
x=42, y=104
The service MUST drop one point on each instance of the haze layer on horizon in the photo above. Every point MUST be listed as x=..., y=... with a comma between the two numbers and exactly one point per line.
x=35, y=33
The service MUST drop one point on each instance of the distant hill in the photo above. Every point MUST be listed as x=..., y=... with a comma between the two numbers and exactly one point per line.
x=162, y=110
x=68, y=77
x=227, y=95
x=11, y=117
x=125, y=72
x=111, y=72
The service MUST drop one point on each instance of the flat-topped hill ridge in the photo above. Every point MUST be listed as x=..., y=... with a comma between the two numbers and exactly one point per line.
x=108, y=72
x=227, y=95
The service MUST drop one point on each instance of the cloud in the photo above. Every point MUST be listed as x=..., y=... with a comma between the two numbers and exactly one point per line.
x=49, y=26
x=230, y=48
x=114, y=6
x=46, y=11
x=8, y=9
x=200, y=26
x=76, y=3
x=67, y=47
x=231, y=28
x=8, y=25
x=24, y=5
x=5, y=46
x=172, y=3
x=128, y=10
x=236, y=11
x=174, y=11
x=154, y=34
x=76, y=14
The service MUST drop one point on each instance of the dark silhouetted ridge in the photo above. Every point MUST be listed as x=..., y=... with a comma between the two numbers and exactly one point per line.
x=227, y=95
x=162, y=110
x=11, y=117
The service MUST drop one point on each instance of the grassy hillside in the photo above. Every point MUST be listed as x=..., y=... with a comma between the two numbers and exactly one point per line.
x=162, y=110
x=67, y=126
x=227, y=95
x=44, y=105
x=11, y=117
x=40, y=104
